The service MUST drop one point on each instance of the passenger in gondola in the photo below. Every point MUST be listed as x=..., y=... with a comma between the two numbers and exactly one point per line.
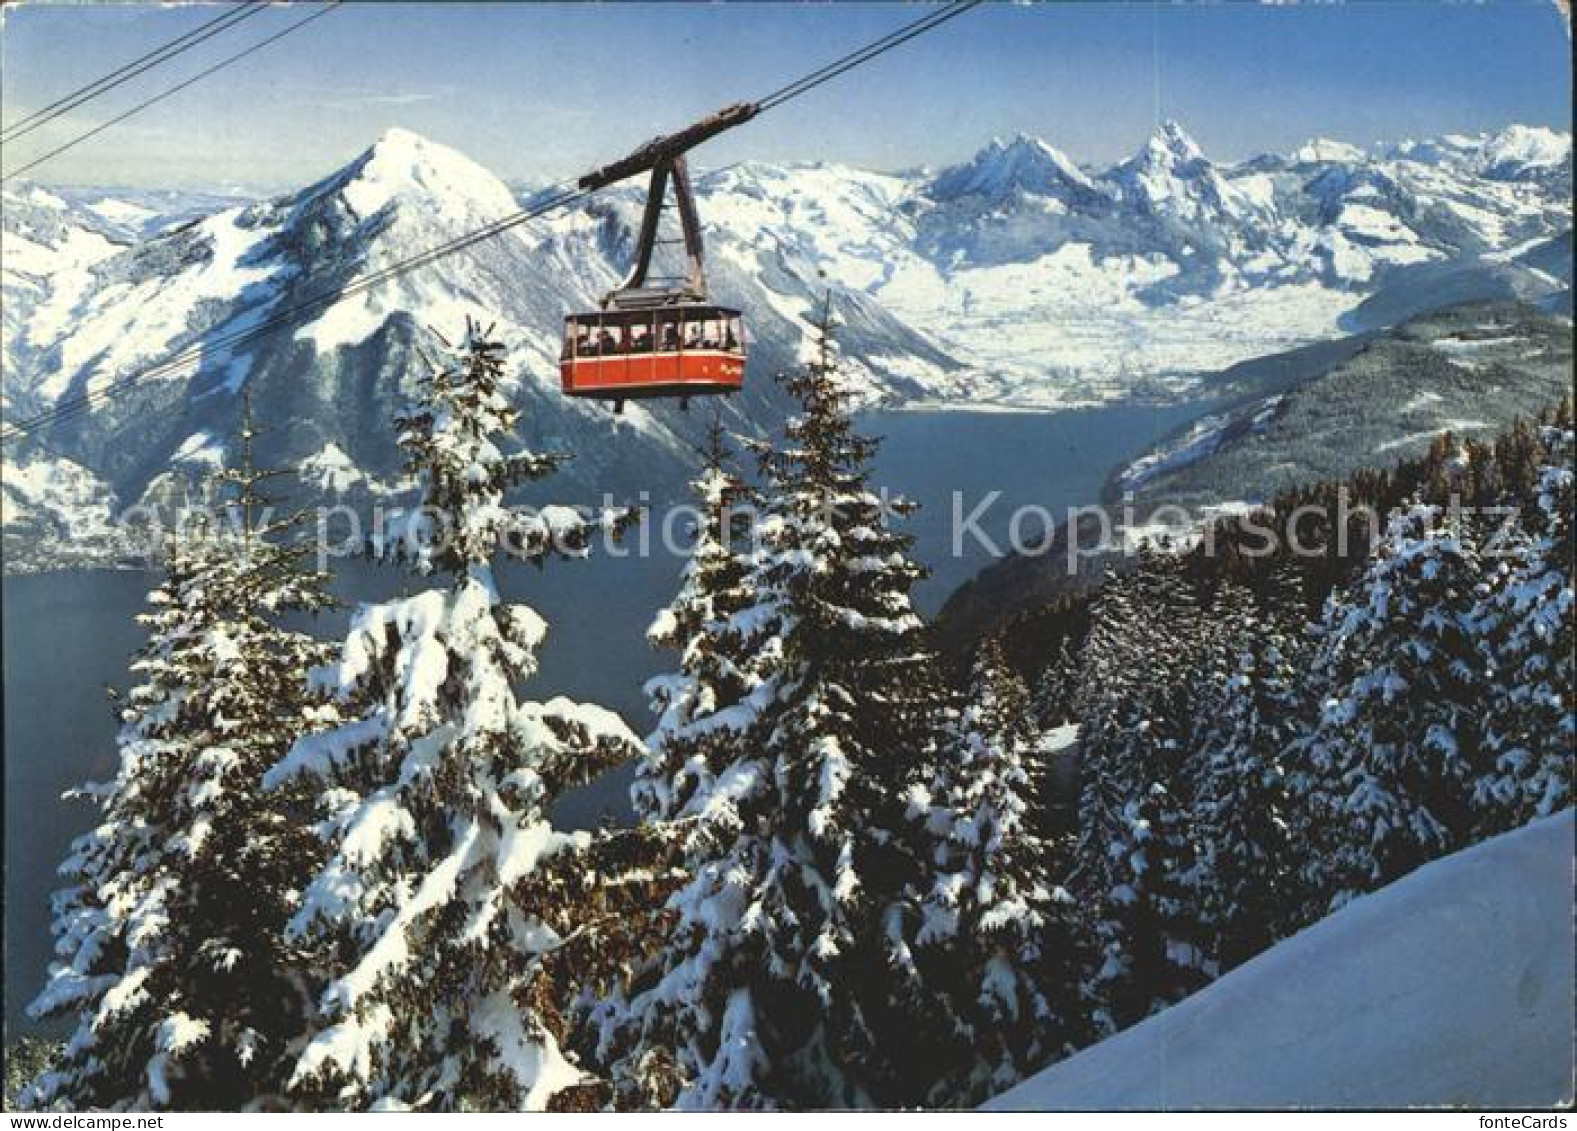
x=640, y=339
x=692, y=337
x=607, y=344
x=670, y=336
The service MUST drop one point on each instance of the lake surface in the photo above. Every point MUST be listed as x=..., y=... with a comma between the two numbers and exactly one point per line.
x=67, y=636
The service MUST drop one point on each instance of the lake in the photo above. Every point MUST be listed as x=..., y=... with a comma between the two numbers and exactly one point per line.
x=67, y=635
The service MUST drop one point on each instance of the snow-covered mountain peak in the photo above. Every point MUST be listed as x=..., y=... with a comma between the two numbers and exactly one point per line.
x=1518, y=149
x=1324, y=150
x=1170, y=145
x=1514, y=153
x=405, y=166
x=1171, y=176
x=1020, y=164
x=1168, y=158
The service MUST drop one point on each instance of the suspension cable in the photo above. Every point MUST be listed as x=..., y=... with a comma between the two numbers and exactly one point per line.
x=103, y=85
x=176, y=89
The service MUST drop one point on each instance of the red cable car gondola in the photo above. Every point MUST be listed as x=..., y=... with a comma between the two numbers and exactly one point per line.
x=682, y=350
x=658, y=341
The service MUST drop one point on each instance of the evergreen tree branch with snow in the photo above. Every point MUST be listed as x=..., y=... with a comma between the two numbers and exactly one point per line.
x=1136, y=846
x=701, y=707
x=1242, y=878
x=1531, y=635
x=1392, y=758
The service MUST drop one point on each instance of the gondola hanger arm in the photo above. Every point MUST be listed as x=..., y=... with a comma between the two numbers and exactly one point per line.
x=666, y=148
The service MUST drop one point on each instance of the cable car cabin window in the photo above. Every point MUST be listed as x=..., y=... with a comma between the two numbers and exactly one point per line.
x=641, y=338
x=610, y=340
x=667, y=331
x=578, y=342
x=719, y=331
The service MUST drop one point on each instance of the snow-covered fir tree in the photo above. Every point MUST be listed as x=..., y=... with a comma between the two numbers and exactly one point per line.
x=788, y=980
x=26, y=1059
x=1244, y=871
x=702, y=706
x=172, y=957
x=436, y=790
x=998, y=937
x=1054, y=709
x=705, y=710
x=1531, y=720
x=1135, y=844
x=1052, y=700
x=1388, y=772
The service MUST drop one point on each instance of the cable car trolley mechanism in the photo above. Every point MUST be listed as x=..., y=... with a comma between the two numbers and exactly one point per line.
x=650, y=339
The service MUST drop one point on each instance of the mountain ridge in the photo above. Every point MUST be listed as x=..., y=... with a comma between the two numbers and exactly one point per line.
x=1023, y=279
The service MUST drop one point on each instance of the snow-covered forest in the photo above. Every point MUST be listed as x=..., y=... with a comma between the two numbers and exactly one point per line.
x=850, y=882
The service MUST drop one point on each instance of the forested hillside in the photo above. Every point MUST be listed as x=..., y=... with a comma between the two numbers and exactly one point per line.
x=1267, y=732
x=850, y=883
x=1288, y=421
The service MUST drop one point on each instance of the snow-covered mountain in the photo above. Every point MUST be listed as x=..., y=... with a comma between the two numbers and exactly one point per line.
x=51, y=237
x=329, y=388
x=1017, y=276
x=1024, y=165
x=47, y=246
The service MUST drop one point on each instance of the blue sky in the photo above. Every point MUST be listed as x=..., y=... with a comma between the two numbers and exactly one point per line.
x=539, y=91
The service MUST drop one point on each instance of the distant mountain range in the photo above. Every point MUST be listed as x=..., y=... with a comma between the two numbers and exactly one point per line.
x=1017, y=278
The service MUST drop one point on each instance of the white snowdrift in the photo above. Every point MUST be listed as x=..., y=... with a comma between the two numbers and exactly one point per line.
x=1451, y=987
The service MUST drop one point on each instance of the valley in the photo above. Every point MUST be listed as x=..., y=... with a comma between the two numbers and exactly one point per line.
x=1021, y=330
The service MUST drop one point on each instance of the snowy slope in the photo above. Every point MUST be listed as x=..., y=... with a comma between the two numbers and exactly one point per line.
x=1453, y=986
x=59, y=503
x=47, y=248
x=50, y=240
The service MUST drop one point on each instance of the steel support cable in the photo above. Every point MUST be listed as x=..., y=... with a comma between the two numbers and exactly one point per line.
x=172, y=90
x=124, y=74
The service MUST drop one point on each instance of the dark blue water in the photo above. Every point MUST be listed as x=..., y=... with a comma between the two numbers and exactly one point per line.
x=67, y=635
x=1053, y=461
